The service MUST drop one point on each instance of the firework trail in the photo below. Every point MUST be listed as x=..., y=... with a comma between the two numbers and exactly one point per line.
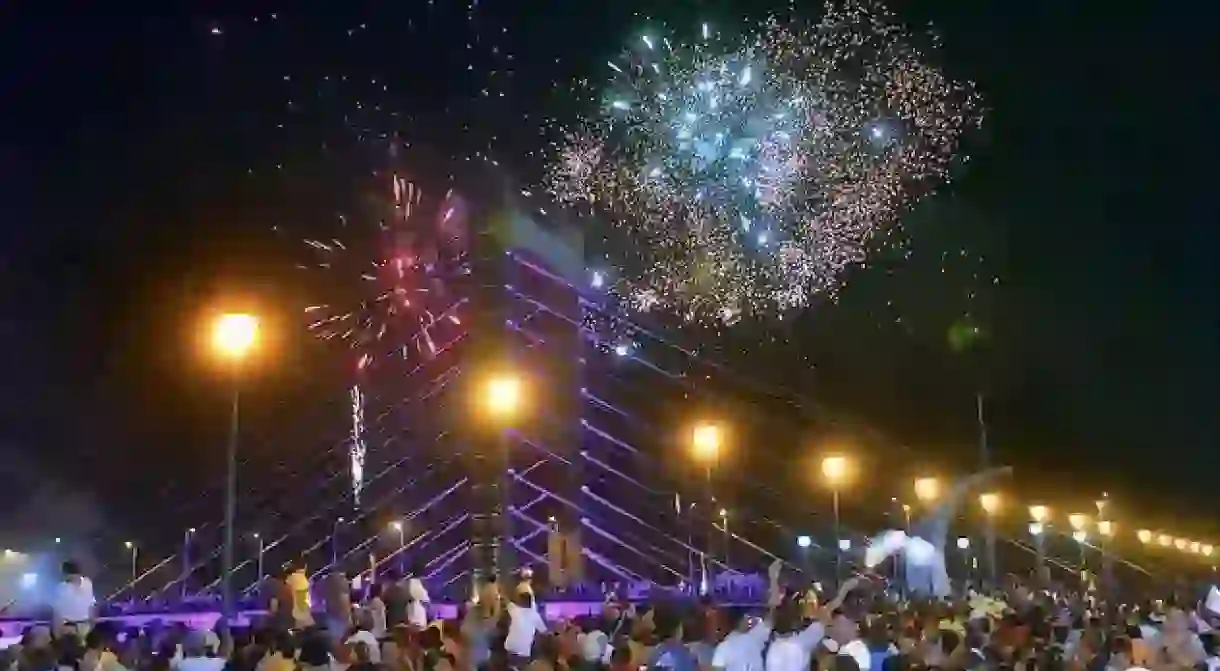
x=357, y=450
x=392, y=295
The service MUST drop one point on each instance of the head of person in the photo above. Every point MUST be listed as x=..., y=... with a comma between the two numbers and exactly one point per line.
x=1122, y=655
x=788, y=618
x=69, y=649
x=667, y=626
x=71, y=571
x=361, y=653
x=738, y=618
x=620, y=659
x=843, y=629
x=195, y=644
x=1177, y=622
x=315, y=650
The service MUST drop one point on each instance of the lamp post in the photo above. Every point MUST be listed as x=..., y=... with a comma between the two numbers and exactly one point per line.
x=186, y=559
x=334, y=542
x=803, y=543
x=990, y=502
x=259, y=560
x=1081, y=537
x=1106, y=529
x=503, y=396
x=706, y=440
x=836, y=470
x=135, y=553
x=398, y=527
x=963, y=544
x=927, y=490
x=724, y=528
x=1079, y=523
x=1037, y=528
x=233, y=336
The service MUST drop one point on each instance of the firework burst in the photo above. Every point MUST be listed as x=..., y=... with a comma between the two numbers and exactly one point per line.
x=392, y=275
x=744, y=177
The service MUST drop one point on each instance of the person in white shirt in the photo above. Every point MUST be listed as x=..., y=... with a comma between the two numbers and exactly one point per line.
x=195, y=654
x=742, y=649
x=73, y=602
x=524, y=624
x=417, y=610
x=792, y=649
x=592, y=644
x=375, y=607
x=364, y=635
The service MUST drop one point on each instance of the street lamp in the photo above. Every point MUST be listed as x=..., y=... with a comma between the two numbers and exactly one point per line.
x=706, y=442
x=334, y=541
x=836, y=470
x=1039, y=514
x=927, y=490
x=963, y=545
x=1106, y=529
x=724, y=528
x=804, y=543
x=706, y=439
x=259, y=560
x=990, y=502
x=233, y=336
x=186, y=558
x=1078, y=522
x=1179, y=543
x=1164, y=540
x=503, y=397
x=1080, y=536
x=1144, y=536
x=135, y=552
x=398, y=527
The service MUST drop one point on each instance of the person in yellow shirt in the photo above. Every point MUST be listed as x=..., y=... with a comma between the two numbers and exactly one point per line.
x=302, y=606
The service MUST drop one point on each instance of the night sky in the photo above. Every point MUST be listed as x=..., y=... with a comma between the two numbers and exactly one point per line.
x=144, y=160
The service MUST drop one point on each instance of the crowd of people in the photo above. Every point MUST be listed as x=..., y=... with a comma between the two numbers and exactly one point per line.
x=1031, y=624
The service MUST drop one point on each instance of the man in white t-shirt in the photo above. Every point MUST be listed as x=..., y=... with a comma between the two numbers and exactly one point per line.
x=417, y=609
x=73, y=602
x=742, y=649
x=524, y=624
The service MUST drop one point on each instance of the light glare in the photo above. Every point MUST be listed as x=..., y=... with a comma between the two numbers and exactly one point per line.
x=234, y=334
